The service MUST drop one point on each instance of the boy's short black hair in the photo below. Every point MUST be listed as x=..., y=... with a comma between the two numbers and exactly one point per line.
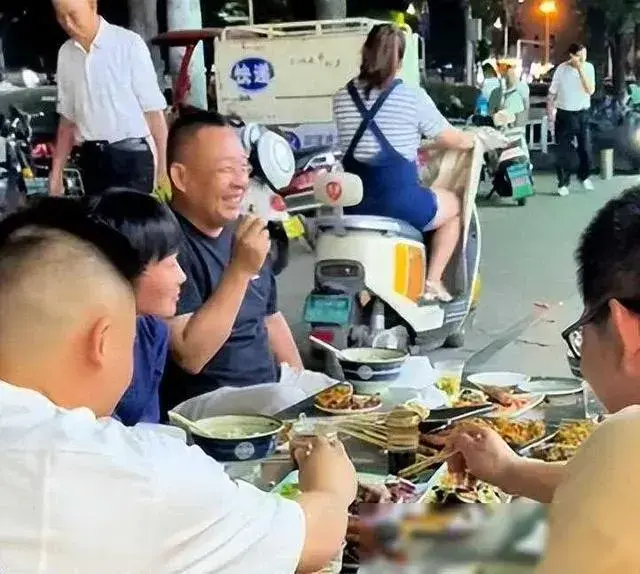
x=149, y=225
x=608, y=255
x=186, y=126
x=70, y=215
x=575, y=48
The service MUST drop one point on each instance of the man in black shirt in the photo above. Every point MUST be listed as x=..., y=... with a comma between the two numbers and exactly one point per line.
x=228, y=331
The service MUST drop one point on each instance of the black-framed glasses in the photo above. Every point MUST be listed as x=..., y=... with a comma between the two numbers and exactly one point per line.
x=573, y=333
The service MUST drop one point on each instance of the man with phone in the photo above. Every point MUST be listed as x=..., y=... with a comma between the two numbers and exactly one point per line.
x=569, y=101
x=228, y=331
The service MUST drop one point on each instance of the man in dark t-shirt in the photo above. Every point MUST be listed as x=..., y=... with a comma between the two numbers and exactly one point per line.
x=228, y=331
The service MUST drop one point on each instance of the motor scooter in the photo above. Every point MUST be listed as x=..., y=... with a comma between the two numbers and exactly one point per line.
x=370, y=271
x=22, y=175
x=273, y=166
x=509, y=169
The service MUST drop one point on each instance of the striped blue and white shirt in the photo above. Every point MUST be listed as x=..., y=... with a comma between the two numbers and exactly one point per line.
x=405, y=117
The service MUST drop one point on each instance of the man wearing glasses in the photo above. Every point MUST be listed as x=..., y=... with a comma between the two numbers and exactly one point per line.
x=595, y=507
x=233, y=334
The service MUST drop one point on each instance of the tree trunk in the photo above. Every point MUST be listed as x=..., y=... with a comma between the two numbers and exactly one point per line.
x=143, y=19
x=596, y=28
x=331, y=9
x=636, y=54
x=621, y=43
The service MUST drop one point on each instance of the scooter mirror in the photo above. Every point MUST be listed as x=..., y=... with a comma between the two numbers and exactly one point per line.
x=338, y=189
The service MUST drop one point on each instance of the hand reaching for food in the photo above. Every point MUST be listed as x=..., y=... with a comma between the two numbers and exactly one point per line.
x=481, y=453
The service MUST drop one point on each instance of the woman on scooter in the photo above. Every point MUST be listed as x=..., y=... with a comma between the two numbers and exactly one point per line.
x=380, y=124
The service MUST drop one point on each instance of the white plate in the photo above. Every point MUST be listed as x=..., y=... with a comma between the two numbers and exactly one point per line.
x=553, y=387
x=498, y=379
x=348, y=411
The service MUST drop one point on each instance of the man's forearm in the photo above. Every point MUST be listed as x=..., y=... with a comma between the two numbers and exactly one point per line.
x=551, y=107
x=586, y=82
x=282, y=342
x=533, y=479
x=65, y=139
x=196, y=338
x=158, y=127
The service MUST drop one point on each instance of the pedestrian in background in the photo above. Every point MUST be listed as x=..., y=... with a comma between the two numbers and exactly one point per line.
x=573, y=84
x=109, y=98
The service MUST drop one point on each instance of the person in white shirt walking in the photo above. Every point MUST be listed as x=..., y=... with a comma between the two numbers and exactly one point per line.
x=109, y=99
x=573, y=84
x=80, y=492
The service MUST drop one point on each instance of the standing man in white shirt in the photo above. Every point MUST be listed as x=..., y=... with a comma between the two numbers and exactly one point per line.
x=80, y=492
x=573, y=84
x=108, y=98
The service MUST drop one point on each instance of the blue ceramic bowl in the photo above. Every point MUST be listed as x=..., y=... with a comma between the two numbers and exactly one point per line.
x=371, y=371
x=238, y=438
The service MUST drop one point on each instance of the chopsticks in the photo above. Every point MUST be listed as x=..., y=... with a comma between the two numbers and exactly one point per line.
x=425, y=463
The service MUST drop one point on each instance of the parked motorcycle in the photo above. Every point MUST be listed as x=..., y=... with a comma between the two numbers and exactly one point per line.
x=24, y=167
x=370, y=271
x=273, y=167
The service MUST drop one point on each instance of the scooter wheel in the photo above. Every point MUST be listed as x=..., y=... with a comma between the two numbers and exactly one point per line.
x=522, y=201
x=455, y=340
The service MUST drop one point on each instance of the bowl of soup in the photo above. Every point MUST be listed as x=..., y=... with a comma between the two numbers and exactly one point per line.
x=371, y=370
x=237, y=438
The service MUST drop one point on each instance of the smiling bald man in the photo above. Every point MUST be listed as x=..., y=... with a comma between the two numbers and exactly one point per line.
x=108, y=95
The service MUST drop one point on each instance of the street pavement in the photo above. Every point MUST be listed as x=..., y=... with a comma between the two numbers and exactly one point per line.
x=528, y=280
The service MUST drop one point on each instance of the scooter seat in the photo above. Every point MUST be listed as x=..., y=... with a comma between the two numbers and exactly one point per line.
x=370, y=223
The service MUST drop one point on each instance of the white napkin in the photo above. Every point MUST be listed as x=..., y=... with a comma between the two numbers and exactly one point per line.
x=417, y=381
x=266, y=399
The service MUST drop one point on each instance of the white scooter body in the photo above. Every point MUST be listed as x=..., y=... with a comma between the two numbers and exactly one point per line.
x=376, y=244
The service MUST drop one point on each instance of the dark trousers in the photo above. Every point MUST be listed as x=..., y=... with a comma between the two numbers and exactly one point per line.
x=570, y=125
x=128, y=163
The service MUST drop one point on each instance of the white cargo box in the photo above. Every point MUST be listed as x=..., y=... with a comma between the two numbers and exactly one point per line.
x=288, y=73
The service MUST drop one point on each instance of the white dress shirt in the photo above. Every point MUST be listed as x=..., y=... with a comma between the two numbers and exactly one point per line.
x=567, y=87
x=86, y=496
x=106, y=91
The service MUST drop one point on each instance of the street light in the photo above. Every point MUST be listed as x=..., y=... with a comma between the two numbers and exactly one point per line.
x=547, y=7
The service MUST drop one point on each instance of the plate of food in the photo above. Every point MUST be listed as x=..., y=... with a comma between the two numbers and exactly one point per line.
x=341, y=400
x=570, y=436
x=445, y=488
x=512, y=405
x=372, y=489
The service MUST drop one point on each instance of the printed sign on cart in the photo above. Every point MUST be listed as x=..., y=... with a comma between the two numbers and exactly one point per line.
x=252, y=75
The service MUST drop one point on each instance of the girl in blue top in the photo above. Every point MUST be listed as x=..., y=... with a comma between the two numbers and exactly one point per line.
x=155, y=235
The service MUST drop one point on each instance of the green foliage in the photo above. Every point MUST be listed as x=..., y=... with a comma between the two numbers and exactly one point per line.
x=620, y=15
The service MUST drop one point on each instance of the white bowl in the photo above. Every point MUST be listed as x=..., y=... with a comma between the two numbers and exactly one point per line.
x=502, y=379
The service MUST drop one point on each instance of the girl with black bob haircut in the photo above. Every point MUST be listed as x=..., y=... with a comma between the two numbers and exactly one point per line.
x=155, y=235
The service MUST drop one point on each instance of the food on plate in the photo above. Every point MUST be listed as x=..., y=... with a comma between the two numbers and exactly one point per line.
x=471, y=398
x=573, y=433
x=503, y=396
x=336, y=397
x=449, y=385
x=517, y=403
x=554, y=453
x=517, y=433
x=346, y=402
x=466, y=490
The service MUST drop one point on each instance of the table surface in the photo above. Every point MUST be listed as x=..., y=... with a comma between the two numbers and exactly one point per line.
x=504, y=529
